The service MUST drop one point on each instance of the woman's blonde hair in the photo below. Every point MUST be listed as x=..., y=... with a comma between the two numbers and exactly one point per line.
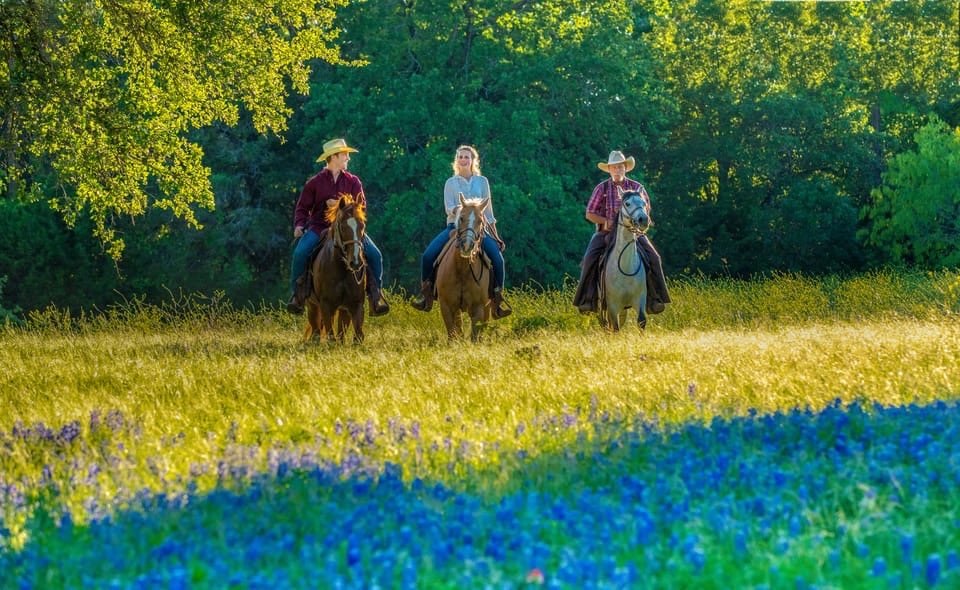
x=475, y=168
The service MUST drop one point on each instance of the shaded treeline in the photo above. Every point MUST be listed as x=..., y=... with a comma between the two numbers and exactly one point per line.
x=763, y=131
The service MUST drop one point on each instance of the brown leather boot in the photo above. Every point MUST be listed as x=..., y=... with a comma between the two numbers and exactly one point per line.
x=294, y=306
x=425, y=303
x=654, y=305
x=378, y=305
x=501, y=308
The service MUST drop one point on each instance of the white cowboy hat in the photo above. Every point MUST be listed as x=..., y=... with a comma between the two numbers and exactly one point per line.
x=616, y=158
x=334, y=146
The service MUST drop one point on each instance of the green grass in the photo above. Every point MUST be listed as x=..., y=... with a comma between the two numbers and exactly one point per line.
x=198, y=365
x=194, y=383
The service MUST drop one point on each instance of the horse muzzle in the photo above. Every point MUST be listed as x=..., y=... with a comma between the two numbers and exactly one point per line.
x=467, y=247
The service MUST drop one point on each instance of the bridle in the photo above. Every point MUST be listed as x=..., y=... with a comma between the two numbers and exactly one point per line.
x=342, y=245
x=634, y=229
x=465, y=233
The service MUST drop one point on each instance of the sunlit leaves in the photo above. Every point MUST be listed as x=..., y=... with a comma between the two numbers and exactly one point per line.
x=916, y=212
x=104, y=93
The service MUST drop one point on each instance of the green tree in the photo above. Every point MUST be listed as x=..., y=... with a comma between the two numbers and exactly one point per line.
x=915, y=215
x=779, y=102
x=544, y=90
x=98, y=97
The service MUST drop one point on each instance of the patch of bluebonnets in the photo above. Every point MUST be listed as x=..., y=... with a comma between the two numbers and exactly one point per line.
x=747, y=496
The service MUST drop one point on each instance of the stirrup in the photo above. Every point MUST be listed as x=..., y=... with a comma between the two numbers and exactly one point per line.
x=501, y=308
x=379, y=308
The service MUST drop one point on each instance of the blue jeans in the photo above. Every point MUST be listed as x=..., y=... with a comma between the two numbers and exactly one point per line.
x=309, y=241
x=488, y=245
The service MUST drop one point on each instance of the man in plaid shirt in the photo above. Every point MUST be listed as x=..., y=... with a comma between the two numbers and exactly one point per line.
x=602, y=210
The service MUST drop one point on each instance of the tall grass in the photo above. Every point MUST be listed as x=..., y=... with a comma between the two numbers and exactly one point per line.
x=106, y=412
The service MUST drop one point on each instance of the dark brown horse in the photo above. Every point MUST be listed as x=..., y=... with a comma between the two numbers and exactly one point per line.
x=339, y=275
x=463, y=281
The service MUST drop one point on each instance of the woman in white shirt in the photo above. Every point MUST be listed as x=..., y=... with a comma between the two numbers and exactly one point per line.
x=466, y=179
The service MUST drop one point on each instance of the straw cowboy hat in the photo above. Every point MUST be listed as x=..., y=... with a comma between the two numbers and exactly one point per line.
x=614, y=158
x=334, y=146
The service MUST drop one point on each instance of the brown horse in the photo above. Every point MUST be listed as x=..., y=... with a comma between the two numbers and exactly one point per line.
x=463, y=281
x=339, y=275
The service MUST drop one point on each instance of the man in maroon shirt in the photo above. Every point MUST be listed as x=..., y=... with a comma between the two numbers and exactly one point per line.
x=310, y=223
x=602, y=210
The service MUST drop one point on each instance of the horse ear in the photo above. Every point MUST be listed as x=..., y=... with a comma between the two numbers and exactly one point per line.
x=620, y=192
x=484, y=202
x=462, y=200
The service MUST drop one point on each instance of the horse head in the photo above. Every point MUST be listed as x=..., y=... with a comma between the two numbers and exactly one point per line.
x=633, y=212
x=470, y=225
x=348, y=220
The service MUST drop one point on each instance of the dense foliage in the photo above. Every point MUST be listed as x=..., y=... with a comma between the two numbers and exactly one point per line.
x=916, y=212
x=761, y=129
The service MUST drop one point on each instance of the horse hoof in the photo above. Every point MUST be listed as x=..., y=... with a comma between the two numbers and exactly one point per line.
x=379, y=310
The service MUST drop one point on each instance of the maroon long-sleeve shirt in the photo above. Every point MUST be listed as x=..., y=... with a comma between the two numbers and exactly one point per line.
x=311, y=211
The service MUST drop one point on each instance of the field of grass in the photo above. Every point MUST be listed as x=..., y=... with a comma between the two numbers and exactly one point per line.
x=784, y=432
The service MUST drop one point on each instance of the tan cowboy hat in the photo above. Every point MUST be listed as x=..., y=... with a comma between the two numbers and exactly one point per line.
x=616, y=158
x=334, y=146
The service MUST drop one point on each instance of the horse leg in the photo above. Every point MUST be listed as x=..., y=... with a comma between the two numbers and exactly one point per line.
x=614, y=311
x=478, y=320
x=451, y=318
x=343, y=322
x=327, y=316
x=358, y=324
x=314, y=327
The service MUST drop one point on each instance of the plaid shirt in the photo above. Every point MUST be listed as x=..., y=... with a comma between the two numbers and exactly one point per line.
x=605, y=200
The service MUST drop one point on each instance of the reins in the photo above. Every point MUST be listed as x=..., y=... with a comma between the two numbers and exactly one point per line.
x=636, y=236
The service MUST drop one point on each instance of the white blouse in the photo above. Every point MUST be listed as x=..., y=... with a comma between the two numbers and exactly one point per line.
x=475, y=188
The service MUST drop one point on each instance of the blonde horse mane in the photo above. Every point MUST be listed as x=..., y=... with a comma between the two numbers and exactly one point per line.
x=344, y=200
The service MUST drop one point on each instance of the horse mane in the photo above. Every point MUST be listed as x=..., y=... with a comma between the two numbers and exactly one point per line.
x=346, y=200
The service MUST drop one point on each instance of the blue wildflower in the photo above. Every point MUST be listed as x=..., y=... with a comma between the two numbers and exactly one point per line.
x=932, y=571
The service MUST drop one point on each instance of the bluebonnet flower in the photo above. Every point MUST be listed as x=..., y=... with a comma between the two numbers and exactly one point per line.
x=952, y=560
x=69, y=433
x=932, y=571
x=115, y=420
x=879, y=567
x=906, y=547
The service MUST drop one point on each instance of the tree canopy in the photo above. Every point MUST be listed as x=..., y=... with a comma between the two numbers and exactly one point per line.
x=99, y=96
x=762, y=130
x=916, y=211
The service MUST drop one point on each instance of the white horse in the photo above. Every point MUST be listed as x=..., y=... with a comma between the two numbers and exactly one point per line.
x=624, y=282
